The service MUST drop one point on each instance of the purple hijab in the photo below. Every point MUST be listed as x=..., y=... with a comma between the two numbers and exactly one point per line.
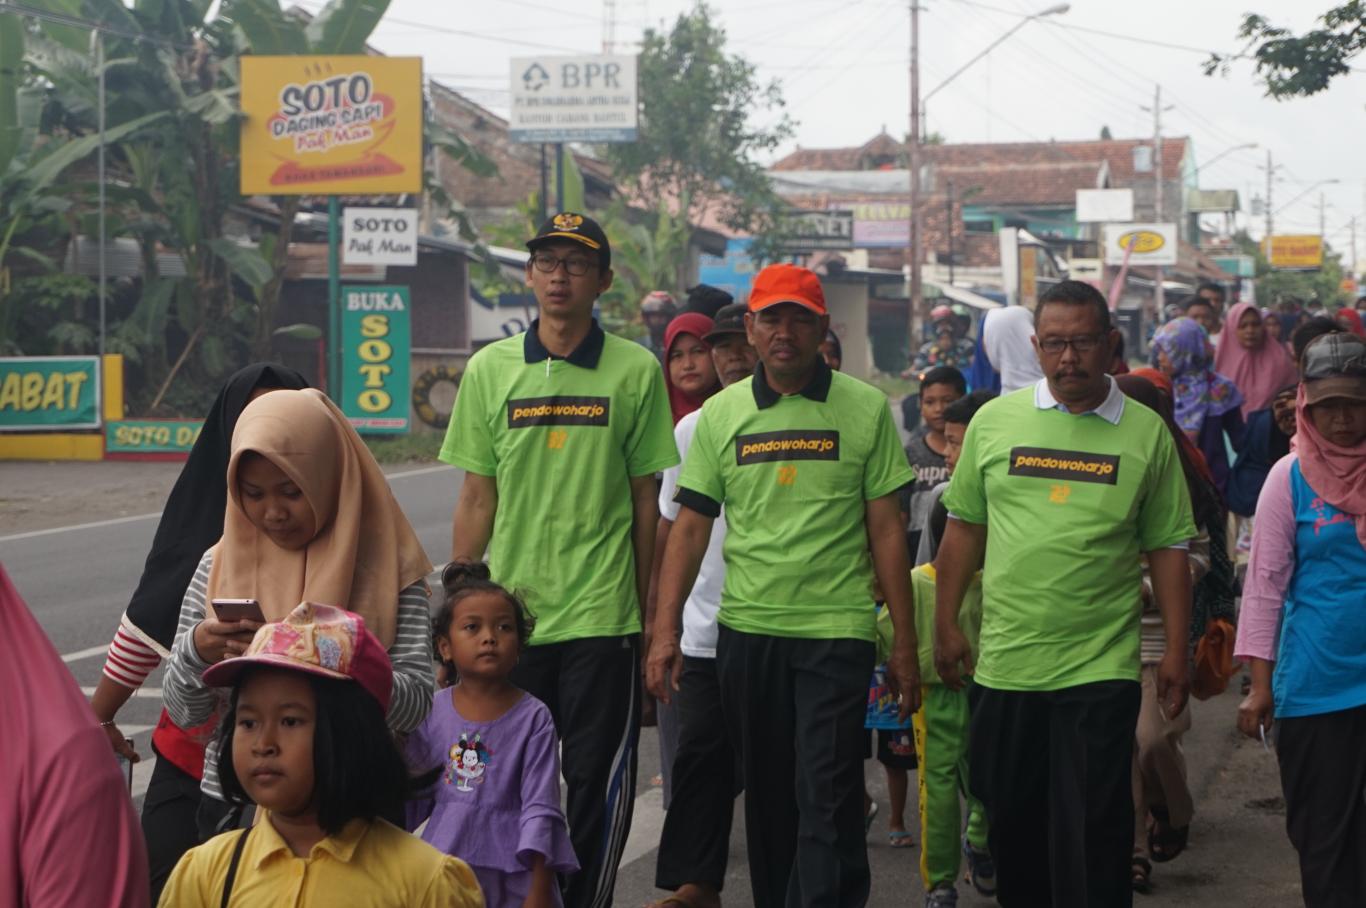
x=1197, y=390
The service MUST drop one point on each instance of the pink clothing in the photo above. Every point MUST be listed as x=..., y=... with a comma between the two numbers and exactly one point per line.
x=1259, y=374
x=1335, y=472
x=68, y=834
x=1270, y=566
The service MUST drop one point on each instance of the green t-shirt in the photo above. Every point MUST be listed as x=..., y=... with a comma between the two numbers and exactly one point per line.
x=1069, y=502
x=922, y=597
x=922, y=601
x=794, y=476
x=562, y=437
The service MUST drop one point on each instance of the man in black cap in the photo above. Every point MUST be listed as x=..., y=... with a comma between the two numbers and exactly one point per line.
x=695, y=842
x=707, y=299
x=560, y=431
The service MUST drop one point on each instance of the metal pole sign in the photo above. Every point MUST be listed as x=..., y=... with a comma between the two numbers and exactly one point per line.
x=1296, y=253
x=345, y=125
x=1140, y=244
x=376, y=348
x=582, y=98
x=806, y=231
x=379, y=236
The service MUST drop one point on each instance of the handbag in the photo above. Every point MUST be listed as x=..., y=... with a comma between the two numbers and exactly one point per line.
x=1213, y=660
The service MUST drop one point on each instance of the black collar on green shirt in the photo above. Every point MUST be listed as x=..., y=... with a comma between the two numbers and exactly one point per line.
x=818, y=389
x=585, y=355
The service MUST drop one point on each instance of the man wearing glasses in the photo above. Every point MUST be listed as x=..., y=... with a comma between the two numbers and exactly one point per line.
x=560, y=431
x=1062, y=486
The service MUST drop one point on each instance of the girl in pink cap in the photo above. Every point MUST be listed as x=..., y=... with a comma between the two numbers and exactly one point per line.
x=305, y=739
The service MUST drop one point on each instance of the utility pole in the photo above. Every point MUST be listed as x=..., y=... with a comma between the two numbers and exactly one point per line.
x=609, y=25
x=949, y=222
x=1270, y=208
x=1323, y=221
x=1157, y=156
x=913, y=165
x=1353, y=224
x=1159, y=295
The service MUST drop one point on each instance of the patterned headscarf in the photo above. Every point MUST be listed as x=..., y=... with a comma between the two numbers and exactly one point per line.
x=1197, y=390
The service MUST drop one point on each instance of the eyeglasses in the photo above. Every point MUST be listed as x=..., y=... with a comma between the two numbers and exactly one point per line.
x=575, y=265
x=1082, y=343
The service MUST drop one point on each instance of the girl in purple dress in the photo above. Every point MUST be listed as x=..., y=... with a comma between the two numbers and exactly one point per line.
x=496, y=803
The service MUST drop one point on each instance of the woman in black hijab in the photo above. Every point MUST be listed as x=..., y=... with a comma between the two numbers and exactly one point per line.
x=191, y=522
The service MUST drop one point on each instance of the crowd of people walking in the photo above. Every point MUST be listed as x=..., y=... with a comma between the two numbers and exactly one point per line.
x=718, y=532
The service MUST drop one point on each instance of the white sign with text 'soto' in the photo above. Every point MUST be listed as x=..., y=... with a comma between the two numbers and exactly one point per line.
x=379, y=236
x=587, y=98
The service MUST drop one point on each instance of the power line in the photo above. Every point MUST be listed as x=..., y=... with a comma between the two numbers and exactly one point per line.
x=58, y=18
x=428, y=27
x=1018, y=45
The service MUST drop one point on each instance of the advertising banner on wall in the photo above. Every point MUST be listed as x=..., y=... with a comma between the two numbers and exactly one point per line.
x=1151, y=244
x=345, y=125
x=49, y=392
x=151, y=436
x=376, y=348
x=881, y=225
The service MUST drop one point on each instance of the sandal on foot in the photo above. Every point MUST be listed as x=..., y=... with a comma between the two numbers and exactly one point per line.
x=899, y=838
x=1165, y=841
x=868, y=817
x=981, y=868
x=1140, y=869
x=704, y=897
x=942, y=897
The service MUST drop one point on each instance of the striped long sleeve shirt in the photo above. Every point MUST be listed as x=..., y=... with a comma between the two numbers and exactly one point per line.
x=131, y=659
x=191, y=702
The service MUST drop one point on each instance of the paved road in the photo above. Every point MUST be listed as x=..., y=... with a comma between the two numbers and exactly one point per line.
x=76, y=555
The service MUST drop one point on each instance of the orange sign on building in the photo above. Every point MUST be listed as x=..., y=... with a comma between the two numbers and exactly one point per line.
x=344, y=125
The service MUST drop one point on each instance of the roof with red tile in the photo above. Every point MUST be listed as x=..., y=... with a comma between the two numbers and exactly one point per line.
x=1117, y=153
x=1053, y=183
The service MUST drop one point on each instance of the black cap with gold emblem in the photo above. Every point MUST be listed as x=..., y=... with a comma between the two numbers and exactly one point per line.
x=567, y=225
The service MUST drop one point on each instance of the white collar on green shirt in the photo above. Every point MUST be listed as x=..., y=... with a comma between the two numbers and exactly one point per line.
x=1111, y=409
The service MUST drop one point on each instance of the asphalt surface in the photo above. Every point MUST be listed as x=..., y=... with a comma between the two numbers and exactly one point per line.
x=73, y=538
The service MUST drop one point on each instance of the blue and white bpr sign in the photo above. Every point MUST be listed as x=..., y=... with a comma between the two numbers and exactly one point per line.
x=586, y=98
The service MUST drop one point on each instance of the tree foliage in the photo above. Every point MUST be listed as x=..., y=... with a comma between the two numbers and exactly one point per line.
x=1292, y=65
x=705, y=120
x=172, y=145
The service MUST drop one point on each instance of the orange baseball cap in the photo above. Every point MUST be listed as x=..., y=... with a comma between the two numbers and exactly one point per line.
x=783, y=283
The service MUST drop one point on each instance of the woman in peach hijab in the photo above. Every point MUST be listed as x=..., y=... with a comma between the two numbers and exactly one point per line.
x=310, y=518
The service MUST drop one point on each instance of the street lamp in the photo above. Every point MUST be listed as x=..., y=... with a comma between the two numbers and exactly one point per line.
x=1226, y=152
x=913, y=149
x=1056, y=10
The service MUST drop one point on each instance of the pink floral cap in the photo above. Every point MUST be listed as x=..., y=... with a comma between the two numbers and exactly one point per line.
x=319, y=640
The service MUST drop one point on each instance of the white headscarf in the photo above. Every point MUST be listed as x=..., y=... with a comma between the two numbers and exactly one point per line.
x=1005, y=338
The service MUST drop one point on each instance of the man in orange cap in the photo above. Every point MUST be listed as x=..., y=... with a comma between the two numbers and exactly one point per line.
x=807, y=462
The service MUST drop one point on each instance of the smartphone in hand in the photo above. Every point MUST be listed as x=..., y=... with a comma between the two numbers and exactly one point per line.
x=126, y=766
x=238, y=610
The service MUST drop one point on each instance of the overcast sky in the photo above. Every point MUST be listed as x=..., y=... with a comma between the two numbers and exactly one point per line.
x=842, y=65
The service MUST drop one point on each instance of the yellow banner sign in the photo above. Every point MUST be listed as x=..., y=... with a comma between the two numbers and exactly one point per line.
x=348, y=125
x=1296, y=252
